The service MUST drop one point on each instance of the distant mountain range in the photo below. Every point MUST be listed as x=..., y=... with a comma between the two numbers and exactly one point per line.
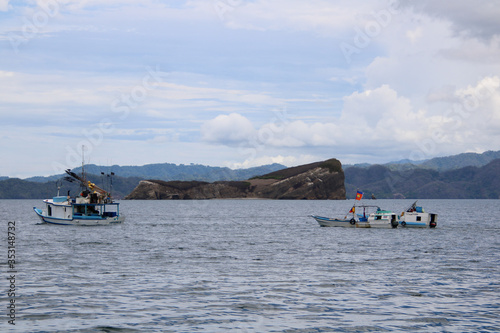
x=467, y=175
x=15, y=188
x=469, y=182
x=125, y=179
x=440, y=163
x=461, y=161
x=462, y=176
x=170, y=171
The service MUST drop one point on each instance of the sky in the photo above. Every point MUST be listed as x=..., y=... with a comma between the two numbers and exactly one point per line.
x=243, y=83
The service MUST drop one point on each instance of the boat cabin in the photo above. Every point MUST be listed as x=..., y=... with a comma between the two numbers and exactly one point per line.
x=62, y=207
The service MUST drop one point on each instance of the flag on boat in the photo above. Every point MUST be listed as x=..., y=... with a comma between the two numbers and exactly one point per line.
x=359, y=195
x=353, y=210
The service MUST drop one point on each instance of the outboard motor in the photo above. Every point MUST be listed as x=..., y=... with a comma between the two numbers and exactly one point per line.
x=433, y=222
x=394, y=221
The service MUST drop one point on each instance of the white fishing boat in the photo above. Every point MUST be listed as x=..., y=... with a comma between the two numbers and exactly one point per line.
x=415, y=217
x=93, y=206
x=377, y=219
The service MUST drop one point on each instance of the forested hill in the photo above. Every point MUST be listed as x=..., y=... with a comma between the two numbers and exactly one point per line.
x=461, y=160
x=126, y=178
x=15, y=188
x=464, y=183
x=320, y=180
x=440, y=163
x=170, y=171
x=467, y=175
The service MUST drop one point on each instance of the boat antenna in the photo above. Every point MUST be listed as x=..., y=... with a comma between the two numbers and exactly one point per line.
x=111, y=184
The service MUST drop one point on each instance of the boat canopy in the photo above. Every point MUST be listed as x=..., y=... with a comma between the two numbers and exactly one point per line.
x=59, y=199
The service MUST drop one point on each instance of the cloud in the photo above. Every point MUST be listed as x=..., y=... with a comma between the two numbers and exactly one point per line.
x=228, y=129
x=288, y=160
x=477, y=19
x=319, y=16
x=4, y=5
x=374, y=116
x=425, y=56
x=479, y=107
x=474, y=51
x=414, y=35
x=377, y=121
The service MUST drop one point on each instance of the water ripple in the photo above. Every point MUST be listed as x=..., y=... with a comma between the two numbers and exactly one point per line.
x=257, y=266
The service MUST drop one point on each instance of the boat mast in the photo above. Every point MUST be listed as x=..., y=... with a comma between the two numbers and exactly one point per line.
x=83, y=164
x=111, y=185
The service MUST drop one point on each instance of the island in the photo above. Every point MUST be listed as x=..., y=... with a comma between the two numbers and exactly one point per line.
x=314, y=181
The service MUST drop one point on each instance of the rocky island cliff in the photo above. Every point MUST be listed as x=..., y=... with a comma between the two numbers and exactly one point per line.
x=319, y=180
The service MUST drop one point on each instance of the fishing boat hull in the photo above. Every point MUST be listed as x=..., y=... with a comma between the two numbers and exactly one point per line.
x=81, y=211
x=78, y=221
x=382, y=220
x=382, y=224
x=329, y=222
x=386, y=223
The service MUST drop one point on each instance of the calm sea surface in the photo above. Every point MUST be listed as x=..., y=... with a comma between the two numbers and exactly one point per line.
x=255, y=266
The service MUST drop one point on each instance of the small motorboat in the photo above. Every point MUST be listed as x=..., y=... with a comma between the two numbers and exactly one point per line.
x=415, y=217
x=377, y=219
x=333, y=222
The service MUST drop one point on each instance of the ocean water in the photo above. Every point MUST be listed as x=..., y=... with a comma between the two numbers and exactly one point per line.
x=254, y=266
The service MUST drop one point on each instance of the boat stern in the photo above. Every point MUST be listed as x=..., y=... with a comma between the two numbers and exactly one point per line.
x=433, y=220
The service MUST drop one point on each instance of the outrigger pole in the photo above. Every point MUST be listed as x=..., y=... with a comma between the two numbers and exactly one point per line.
x=87, y=184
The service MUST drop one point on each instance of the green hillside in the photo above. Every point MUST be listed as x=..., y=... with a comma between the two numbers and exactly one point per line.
x=464, y=183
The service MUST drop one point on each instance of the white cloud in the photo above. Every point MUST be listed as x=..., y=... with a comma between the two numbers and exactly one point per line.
x=415, y=34
x=380, y=121
x=77, y=6
x=473, y=51
x=320, y=16
x=184, y=92
x=288, y=160
x=480, y=108
x=468, y=120
x=228, y=129
x=373, y=116
x=4, y=5
x=478, y=18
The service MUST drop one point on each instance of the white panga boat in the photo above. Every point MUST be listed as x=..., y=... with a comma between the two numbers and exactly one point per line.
x=334, y=222
x=415, y=217
x=377, y=219
x=94, y=206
